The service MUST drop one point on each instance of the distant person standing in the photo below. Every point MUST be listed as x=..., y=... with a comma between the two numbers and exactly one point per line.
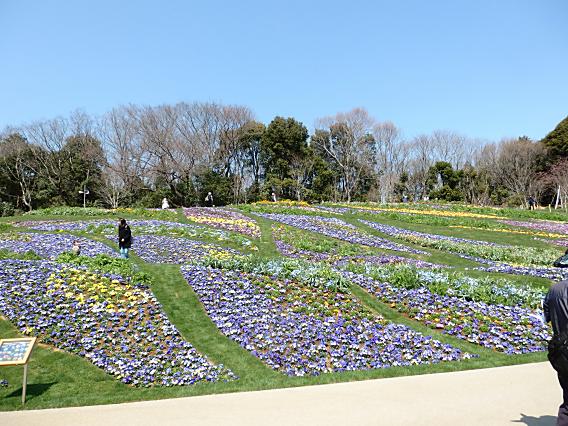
x=209, y=200
x=532, y=203
x=165, y=204
x=273, y=197
x=124, y=238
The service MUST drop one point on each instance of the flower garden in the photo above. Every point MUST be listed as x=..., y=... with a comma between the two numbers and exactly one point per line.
x=216, y=305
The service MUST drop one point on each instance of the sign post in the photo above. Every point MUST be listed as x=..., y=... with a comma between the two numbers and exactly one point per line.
x=17, y=352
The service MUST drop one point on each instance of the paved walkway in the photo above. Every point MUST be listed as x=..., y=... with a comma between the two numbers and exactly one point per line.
x=524, y=395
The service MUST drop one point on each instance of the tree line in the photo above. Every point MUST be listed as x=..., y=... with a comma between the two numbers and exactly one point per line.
x=137, y=155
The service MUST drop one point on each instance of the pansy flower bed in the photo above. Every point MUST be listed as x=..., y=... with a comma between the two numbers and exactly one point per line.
x=513, y=231
x=508, y=329
x=163, y=249
x=337, y=259
x=334, y=210
x=224, y=219
x=148, y=226
x=543, y=225
x=61, y=225
x=552, y=273
x=472, y=249
x=562, y=243
x=51, y=245
x=337, y=228
x=425, y=211
x=118, y=326
x=304, y=330
x=487, y=289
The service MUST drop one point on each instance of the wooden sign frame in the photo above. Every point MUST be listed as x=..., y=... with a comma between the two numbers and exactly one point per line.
x=31, y=341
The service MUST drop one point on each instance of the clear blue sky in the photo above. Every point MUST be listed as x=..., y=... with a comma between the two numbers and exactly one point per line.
x=485, y=68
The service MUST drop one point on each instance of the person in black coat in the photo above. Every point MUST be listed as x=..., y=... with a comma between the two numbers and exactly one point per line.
x=555, y=307
x=124, y=238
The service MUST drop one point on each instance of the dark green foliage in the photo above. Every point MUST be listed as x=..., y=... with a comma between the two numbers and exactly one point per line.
x=106, y=264
x=29, y=255
x=445, y=181
x=557, y=140
x=283, y=142
x=217, y=184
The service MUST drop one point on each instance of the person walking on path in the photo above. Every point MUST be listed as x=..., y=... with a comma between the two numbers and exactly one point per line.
x=124, y=238
x=555, y=307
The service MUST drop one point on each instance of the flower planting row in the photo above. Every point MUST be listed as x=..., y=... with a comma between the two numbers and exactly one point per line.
x=490, y=290
x=163, y=249
x=512, y=330
x=224, y=219
x=472, y=249
x=305, y=330
x=514, y=231
x=118, y=326
x=337, y=228
x=430, y=212
x=336, y=259
x=543, y=225
x=50, y=245
x=151, y=226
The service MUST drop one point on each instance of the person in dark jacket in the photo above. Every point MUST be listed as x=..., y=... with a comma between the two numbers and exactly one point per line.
x=209, y=200
x=555, y=308
x=124, y=238
x=532, y=203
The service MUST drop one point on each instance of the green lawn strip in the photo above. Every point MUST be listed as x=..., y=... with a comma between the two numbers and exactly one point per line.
x=266, y=246
x=184, y=309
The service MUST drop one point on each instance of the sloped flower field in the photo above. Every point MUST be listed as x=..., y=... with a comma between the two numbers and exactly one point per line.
x=120, y=327
x=302, y=330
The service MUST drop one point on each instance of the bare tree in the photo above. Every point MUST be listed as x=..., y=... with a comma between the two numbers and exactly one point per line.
x=389, y=152
x=517, y=166
x=557, y=179
x=347, y=140
x=122, y=143
x=421, y=158
x=113, y=188
x=450, y=147
x=17, y=160
x=48, y=139
x=230, y=154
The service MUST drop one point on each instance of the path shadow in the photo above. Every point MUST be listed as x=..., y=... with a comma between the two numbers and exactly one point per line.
x=536, y=421
x=34, y=389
